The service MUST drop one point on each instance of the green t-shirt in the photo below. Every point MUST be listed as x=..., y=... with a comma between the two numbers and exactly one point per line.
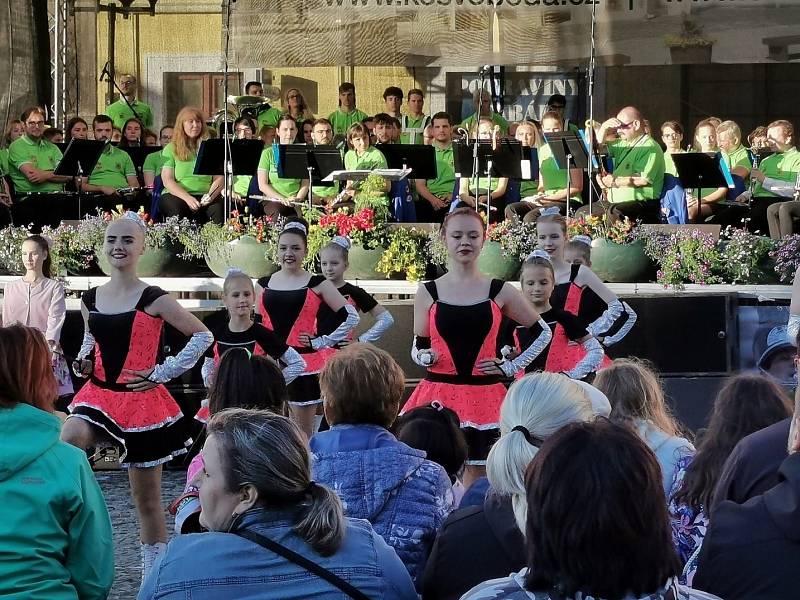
x=738, y=158
x=241, y=184
x=183, y=171
x=783, y=166
x=153, y=163
x=271, y=116
x=43, y=155
x=3, y=161
x=669, y=164
x=342, y=121
x=528, y=188
x=445, y=172
x=554, y=179
x=413, y=129
x=287, y=188
x=371, y=159
x=496, y=118
x=113, y=168
x=643, y=157
x=323, y=191
x=120, y=112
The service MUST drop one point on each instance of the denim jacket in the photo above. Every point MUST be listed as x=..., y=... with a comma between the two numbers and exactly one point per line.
x=406, y=497
x=226, y=566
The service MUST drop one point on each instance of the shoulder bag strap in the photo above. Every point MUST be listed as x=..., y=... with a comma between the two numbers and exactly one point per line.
x=307, y=564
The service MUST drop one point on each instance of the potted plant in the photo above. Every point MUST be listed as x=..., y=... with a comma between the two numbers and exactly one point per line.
x=690, y=45
x=683, y=256
x=618, y=254
x=405, y=254
x=786, y=254
x=11, y=239
x=367, y=234
x=745, y=257
x=243, y=242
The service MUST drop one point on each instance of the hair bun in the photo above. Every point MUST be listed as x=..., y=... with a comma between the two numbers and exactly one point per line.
x=539, y=253
x=343, y=241
x=550, y=211
x=582, y=239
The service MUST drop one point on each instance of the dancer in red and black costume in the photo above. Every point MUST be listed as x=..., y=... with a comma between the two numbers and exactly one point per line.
x=576, y=281
x=124, y=401
x=241, y=331
x=289, y=302
x=572, y=351
x=457, y=329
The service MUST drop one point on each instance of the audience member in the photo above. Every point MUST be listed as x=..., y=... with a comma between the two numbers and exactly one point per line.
x=55, y=532
x=747, y=403
x=487, y=541
x=378, y=478
x=597, y=524
x=637, y=400
x=274, y=533
x=752, y=551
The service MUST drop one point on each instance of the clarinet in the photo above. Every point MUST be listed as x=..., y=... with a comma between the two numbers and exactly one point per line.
x=796, y=195
x=753, y=179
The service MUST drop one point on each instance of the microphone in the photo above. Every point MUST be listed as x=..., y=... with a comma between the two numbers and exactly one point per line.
x=484, y=69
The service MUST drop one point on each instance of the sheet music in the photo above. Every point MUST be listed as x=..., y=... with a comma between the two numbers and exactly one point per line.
x=360, y=174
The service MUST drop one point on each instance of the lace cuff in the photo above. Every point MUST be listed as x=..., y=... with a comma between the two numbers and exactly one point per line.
x=340, y=333
x=590, y=362
x=295, y=365
x=511, y=367
x=606, y=320
x=623, y=331
x=382, y=323
x=207, y=371
x=174, y=366
x=793, y=328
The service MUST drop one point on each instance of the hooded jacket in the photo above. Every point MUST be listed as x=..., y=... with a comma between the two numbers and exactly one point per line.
x=752, y=550
x=404, y=496
x=669, y=449
x=55, y=533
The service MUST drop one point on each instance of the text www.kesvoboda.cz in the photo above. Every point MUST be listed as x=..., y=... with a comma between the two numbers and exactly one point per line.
x=466, y=3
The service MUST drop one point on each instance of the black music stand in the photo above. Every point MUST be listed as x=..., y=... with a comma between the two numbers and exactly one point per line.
x=245, y=156
x=504, y=160
x=79, y=161
x=697, y=170
x=420, y=159
x=569, y=152
x=138, y=155
x=303, y=161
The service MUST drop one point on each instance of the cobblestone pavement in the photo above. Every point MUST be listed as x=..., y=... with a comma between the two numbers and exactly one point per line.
x=126, y=531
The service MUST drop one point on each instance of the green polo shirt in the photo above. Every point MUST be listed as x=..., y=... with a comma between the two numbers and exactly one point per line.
x=43, y=155
x=371, y=159
x=528, y=188
x=323, y=191
x=113, y=168
x=413, y=128
x=342, y=121
x=783, y=166
x=153, y=163
x=738, y=158
x=287, y=188
x=554, y=179
x=496, y=118
x=669, y=164
x=271, y=116
x=445, y=172
x=3, y=161
x=642, y=157
x=183, y=171
x=120, y=112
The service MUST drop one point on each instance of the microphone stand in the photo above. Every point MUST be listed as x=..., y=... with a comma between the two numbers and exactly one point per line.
x=476, y=141
x=590, y=88
x=227, y=167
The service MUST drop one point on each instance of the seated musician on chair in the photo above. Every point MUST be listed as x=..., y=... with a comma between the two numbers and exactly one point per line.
x=777, y=177
x=244, y=128
x=114, y=169
x=634, y=188
x=468, y=195
x=322, y=135
x=362, y=156
x=705, y=140
x=736, y=156
x=281, y=193
x=31, y=161
x=435, y=195
x=482, y=101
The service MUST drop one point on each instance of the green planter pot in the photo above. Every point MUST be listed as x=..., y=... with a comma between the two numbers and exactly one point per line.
x=155, y=262
x=363, y=262
x=493, y=264
x=620, y=263
x=245, y=253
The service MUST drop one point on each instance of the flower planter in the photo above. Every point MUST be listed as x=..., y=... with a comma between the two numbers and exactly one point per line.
x=688, y=55
x=493, y=264
x=362, y=263
x=245, y=253
x=620, y=263
x=155, y=262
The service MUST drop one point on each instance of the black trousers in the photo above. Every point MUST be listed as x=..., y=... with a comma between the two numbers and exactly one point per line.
x=527, y=212
x=42, y=209
x=649, y=211
x=172, y=206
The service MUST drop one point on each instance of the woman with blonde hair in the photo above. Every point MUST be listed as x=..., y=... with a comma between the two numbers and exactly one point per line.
x=637, y=399
x=186, y=194
x=294, y=104
x=479, y=543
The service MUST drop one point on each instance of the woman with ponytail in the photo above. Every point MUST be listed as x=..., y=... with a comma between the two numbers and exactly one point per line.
x=256, y=493
x=480, y=543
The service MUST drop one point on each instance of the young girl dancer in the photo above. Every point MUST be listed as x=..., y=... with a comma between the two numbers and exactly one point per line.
x=562, y=355
x=574, y=280
x=241, y=331
x=333, y=262
x=289, y=302
x=456, y=332
x=124, y=399
x=37, y=300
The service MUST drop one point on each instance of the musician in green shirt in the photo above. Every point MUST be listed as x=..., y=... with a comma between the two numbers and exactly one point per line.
x=347, y=114
x=483, y=101
x=777, y=177
x=735, y=155
x=281, y=192
x=413, y=124
x=120, y=111
x=435, y=195
x=114, y=169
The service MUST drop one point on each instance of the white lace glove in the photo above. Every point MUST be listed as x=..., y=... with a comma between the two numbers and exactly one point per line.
x=174, y=366
x=526, y=357
x=207, y=371
x=87, y=345
x=382, y=323
x=623, y=331
x=421, y=352
x=590, y=362
x=295, y=365
x=606, y=320
x=793, y=328
x=340, y=333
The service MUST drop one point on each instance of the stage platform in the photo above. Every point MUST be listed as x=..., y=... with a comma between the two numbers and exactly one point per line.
x=696, y=336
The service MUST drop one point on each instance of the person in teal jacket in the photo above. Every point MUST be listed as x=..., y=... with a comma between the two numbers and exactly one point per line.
x=55, y=532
